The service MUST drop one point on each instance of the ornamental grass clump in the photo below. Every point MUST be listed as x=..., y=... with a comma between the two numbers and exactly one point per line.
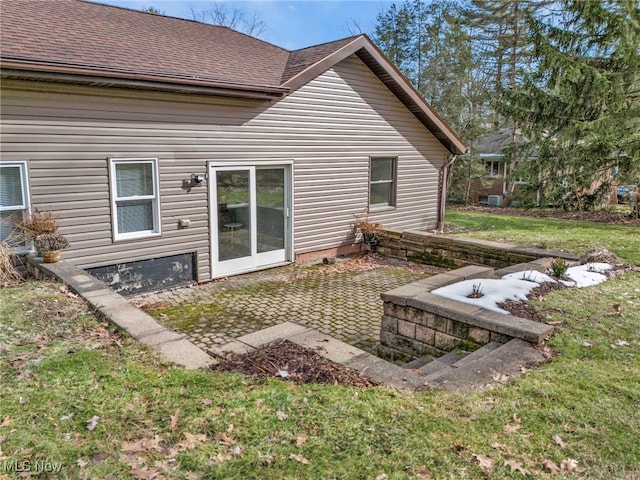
x=36, y=223
x=8, y=273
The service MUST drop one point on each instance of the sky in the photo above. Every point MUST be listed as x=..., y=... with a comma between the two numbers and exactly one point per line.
x=290, y=24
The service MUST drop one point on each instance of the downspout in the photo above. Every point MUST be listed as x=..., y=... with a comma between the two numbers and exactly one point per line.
x=442, y=188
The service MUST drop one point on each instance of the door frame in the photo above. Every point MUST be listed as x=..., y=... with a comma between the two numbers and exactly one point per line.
x=287, y=165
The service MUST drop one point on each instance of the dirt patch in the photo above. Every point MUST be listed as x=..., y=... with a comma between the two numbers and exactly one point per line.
x=601, y=216
x=288, y=361
x=522, y=309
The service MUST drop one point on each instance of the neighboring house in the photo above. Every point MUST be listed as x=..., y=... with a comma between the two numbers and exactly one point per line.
x=174, y=151
x=496, y=186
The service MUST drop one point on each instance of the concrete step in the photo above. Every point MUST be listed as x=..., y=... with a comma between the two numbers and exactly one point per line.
x=442, y=362
x=477, y=354
x=504, y=362
x=418, y=362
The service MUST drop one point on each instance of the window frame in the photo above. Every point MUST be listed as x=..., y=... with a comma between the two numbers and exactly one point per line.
x=393, y=194
x=116, y=200
x=488, y=165
x=26, y=198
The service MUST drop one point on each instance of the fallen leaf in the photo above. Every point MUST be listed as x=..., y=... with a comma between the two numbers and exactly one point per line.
x=259, y=402
x=561, y=443
x=500, y=377
x=299, y=458
x=146, y=474
x=301, y=440
x=516, y=467
x=382, y=476
x=511, y=428
x=99, y=457
x=422, y=473
x=571, y=465
x=142, y=445
x=81, y=463
x=484, y=461
x=517, y=419
x=225, y=439
x=221, y=458
x=553, y=469
x=622, y=343
x=498, y=446
x=545, y=350
x=173, y=424
x=6, y=422
x=206, y=401
x=587, y=345
x=92, y=423
x=191, y=440
x=280, y=415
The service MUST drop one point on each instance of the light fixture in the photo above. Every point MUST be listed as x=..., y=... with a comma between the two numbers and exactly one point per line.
x=198, y=178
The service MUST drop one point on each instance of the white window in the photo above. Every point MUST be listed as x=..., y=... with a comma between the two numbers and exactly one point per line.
x=492, y=168
x=14, y=196
x=135, y=204
x=382, y=182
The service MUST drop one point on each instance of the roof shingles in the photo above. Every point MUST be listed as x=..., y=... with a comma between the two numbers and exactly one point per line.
x=83, y=39
x=78, y=33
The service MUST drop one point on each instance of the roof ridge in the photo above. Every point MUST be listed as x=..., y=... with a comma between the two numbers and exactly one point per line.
x=352, y=37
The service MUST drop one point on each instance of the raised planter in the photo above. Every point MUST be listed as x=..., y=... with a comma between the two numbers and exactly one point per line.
x=418, y=323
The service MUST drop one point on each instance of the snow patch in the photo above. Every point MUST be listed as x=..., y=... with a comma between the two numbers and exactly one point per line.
x=516, y=286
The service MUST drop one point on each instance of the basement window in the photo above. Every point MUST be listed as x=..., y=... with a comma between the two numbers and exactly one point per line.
x=135, y=199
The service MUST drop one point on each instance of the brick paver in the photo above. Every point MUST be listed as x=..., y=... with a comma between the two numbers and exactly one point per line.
x=341, y=300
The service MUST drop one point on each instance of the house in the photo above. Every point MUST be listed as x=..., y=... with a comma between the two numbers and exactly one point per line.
x=175, y=152
x=495, y=187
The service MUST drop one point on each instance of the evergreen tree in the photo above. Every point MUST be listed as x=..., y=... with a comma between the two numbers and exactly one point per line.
x=581, y=105
x=393, y=34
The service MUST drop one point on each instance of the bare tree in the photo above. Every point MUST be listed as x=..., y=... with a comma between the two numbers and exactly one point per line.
x=152, y=9
x=234, y=18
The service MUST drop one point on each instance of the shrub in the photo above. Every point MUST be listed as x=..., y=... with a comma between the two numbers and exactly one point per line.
x=558, y=267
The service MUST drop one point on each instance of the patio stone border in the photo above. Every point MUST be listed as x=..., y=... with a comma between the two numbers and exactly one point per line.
x=116, y=309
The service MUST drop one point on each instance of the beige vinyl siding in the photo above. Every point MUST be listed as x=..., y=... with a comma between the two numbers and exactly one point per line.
x=329, y=128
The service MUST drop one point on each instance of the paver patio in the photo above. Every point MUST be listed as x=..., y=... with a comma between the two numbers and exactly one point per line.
x=341, y=300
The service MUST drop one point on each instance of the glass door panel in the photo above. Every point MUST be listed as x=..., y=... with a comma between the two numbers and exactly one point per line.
x=270, y=209
x=233, y=196
x=251, y=226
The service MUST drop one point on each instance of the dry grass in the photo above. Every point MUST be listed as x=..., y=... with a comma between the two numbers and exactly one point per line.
x=8, y=273
x=30, y=226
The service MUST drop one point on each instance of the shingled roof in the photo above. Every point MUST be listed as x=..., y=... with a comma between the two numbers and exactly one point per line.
x=78, y=41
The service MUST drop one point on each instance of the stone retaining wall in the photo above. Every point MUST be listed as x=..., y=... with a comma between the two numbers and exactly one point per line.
x=452, y=252
x=418, y=323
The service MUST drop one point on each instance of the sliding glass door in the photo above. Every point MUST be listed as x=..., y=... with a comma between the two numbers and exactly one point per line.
x=251, y=221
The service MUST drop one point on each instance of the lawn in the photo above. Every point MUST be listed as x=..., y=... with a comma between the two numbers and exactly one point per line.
x=83, y=401
x=555, y=234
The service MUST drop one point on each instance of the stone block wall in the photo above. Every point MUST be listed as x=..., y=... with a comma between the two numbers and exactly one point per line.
x=452, y=252
x=416, y=322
